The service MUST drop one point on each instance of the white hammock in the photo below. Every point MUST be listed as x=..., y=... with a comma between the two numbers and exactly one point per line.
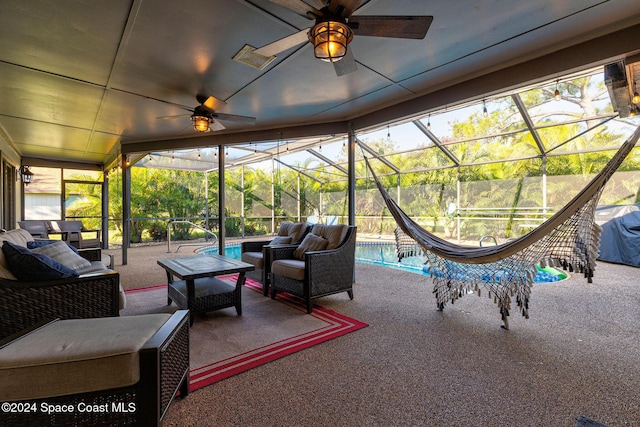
x=569, y=239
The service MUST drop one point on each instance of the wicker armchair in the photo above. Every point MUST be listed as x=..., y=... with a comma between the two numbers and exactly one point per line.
x=162, y=363
x=320, y=272
x=255, y=252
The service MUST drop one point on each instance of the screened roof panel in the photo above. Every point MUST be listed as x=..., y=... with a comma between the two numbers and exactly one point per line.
x=518, y=124
x=403, y=136
x=577, y=97
x=514, y=146
x=426, y=158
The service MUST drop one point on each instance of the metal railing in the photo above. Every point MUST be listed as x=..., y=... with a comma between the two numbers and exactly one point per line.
x=204, y=244
x=483, y=238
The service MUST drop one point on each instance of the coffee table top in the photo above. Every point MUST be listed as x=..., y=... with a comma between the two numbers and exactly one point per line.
x=194, y=267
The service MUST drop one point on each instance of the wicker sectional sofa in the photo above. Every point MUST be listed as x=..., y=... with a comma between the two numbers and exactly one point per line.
x=96, y=292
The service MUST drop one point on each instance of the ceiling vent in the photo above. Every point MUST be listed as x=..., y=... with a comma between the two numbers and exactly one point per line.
x=247, y=56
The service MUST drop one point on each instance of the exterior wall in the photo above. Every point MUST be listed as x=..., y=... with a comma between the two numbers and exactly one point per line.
x=9, y=154
x=42, y=206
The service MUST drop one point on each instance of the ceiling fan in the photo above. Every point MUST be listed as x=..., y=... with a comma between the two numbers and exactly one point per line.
x=335, y=27
x=204, y=116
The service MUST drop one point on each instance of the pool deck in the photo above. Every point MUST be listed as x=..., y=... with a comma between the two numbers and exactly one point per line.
x=578, y=354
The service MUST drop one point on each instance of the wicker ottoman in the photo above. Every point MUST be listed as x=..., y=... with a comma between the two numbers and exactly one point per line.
x=100, y=371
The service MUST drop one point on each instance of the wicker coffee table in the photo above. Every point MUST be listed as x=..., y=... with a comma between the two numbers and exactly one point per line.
x=198, y=290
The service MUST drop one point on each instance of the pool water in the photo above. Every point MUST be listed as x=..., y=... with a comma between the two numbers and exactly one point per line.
x=384, y=254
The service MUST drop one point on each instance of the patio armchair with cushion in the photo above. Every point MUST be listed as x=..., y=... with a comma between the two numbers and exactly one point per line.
x=323, y=264
x=100, y=372
x=37, y=228
x=255, y=252
x=43, y=280
x=77, y=235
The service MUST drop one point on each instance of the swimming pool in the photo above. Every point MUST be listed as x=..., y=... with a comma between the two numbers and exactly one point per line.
x=384, y=254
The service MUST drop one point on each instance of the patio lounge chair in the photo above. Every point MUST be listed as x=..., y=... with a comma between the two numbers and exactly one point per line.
x=323, y=264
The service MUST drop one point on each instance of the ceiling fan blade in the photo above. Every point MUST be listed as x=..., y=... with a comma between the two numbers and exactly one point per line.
x=179, y=116
x=299, y=7
x=211, y=102
x=405, y=27
x=184, y=107
x=346, y=65
x=283, y=44
x=216, y=125
x=344, y=7
x=320, y=3
x=234, y=118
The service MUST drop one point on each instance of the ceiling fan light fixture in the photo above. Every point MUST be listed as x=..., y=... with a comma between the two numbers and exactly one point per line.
x=330, y=40
x=201, y=123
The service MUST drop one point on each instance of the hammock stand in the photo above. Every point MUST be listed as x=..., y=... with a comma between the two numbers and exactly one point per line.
x=570, y=239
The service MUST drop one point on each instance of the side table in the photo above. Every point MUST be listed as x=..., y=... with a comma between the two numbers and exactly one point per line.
x=199, y=290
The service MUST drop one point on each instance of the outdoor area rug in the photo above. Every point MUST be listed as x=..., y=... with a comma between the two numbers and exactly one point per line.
x=223, y=344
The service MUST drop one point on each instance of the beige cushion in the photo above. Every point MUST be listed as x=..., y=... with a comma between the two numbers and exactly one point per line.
x=295, y=230
x=76, y=356
x=334, y=234
x=61, y=252
x=122, y=297
x=19, y=237
x=5, y=273
x=293, y=268
x=254, y=258
x=284, y=228
x=310, y=243
x=107, y=260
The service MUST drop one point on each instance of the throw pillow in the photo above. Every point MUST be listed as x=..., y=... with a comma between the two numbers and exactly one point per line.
x=40, y=243
x=310, y=243
x=280, y=240
x=61, y=252
x=30, y=267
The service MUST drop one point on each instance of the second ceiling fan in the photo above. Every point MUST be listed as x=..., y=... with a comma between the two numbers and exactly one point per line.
x=205, y=117
x=335, y=27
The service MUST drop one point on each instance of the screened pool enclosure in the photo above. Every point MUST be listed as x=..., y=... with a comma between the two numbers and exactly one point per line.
x=491, y=169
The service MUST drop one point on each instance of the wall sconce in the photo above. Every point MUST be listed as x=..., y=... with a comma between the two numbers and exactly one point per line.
x=330, y=40
x=25, y=174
